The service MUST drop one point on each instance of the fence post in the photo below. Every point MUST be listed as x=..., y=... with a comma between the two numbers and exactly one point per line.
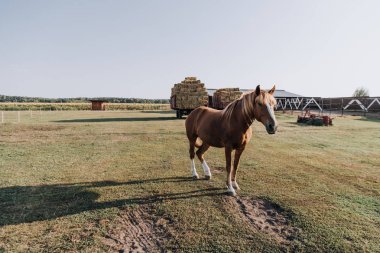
x=330, y=106
x=322, y=105
x=342, y=107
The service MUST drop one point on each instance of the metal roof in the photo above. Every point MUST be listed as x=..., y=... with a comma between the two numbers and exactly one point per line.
x=277, y=93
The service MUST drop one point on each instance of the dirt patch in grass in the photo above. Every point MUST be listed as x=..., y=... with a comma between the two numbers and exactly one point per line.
x=139, y=230
x=264, y=216
x=218, y=170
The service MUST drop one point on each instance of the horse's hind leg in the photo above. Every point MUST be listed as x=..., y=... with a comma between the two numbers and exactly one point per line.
x=192, y=155
x=200, y=152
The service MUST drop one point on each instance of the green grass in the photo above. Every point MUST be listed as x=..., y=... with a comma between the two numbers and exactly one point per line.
x=66, y=176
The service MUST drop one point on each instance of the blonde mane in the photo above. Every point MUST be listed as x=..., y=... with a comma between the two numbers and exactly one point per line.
x=247, y=101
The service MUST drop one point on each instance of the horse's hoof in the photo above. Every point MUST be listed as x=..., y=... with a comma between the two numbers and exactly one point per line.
x=231, y=193
x=207, y=177
x=235, y=185
x=195, y=177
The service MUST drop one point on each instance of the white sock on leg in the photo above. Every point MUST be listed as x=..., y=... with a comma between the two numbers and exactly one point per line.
x=206, y=169
x=193, y=169
x=235, y=185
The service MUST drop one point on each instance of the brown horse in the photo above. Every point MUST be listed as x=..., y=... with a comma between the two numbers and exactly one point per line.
x=229, y=128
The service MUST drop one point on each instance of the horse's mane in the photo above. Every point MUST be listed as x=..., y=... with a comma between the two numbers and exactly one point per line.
x=247, y=101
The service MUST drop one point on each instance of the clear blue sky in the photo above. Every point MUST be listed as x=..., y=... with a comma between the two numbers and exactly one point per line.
x=141, y=48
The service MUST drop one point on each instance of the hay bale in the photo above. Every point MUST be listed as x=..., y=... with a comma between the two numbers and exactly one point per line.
x=189, y=94
x=222, y=97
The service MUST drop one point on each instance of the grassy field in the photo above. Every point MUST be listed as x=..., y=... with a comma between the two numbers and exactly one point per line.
x=106, y=181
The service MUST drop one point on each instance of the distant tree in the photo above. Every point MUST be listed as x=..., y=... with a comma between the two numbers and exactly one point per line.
x=361, y=92
x=4, y=98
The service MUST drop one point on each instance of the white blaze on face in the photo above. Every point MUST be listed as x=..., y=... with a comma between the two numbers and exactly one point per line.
x=271, y=112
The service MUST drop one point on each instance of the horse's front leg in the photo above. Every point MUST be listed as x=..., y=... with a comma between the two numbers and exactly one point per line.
x=230, y=189
x=238, y=153
x=192, y=155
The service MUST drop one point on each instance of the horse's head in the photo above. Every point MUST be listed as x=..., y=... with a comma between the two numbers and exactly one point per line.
x=264, y=108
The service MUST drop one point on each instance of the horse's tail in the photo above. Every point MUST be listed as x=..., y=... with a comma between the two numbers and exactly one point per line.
x=198, y=142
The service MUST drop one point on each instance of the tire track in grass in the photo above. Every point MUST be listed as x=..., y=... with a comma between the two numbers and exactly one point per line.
x=139, y=230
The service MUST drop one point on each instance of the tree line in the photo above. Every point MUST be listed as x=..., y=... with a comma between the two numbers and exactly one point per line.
x=4, y=98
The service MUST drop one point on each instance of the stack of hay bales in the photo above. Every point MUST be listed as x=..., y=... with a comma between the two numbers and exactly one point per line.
x=189, y=94
x=222, y=97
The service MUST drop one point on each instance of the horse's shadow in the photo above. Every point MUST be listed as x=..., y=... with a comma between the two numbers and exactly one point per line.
x=20, y=204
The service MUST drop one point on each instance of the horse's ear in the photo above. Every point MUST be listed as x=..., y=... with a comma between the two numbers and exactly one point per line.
x=272, y=90
x=257, y=91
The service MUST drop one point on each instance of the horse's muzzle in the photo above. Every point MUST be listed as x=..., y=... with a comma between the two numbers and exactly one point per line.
x=271, y=128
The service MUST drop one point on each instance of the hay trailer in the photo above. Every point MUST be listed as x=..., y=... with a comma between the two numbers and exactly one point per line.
x=188, y=95
x=179, y=111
